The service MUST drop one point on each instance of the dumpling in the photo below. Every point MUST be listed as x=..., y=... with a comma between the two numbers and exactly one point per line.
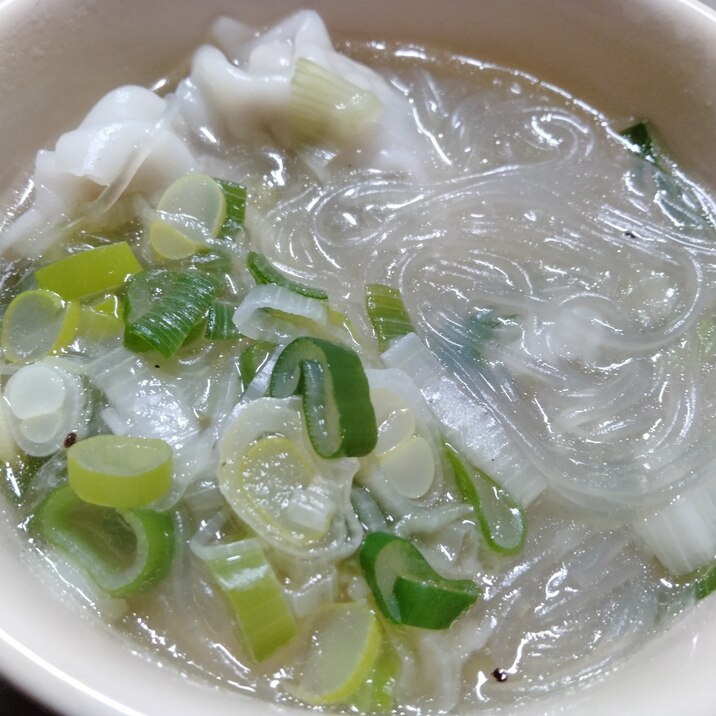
x=125, y=142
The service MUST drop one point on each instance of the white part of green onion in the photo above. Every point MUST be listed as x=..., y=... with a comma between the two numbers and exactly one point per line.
x=394, y=391
x=406, y=473
x=368, y=510
x=434, y=520
x=47, y=422
x=409, y=466
x=8, y=448
x=66, y=577
x=205, y=540
x=318, y=591
x=35, y=390
x=467, y=424
x=273, y=313
x=274, y=481
x=258, y=387
x=396, y=422
x=344, y=646
x=310, y=509
x=682, y=535
x=326, y=107
x=41, y=428
x=195, y=204
x=263, y=417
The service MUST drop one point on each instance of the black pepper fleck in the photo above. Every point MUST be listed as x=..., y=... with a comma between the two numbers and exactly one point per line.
x=156, y=365
x=629, y=234
x=500, y=675
x=70, y=440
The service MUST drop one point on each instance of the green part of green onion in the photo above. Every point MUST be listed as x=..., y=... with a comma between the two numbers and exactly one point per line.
x=502, y=521
x=706, y=332
x=17, y=475
x=387, y=314
x=336, y=397
x=248, y=581
x=120, y=471
x=124, y=552
x=677, y=198
x=235, y=196
x=705, y=582
x=220, y=324
x=253, y=359
x=211, y=261
x=407, y=589
x=376, y=695
x=100, y=269
x=367, y=510
x=264, y=271
x=639, y=136
x=162, y=307
x=481, y=327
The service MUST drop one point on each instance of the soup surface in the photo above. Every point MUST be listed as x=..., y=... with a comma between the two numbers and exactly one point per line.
x=427, y=424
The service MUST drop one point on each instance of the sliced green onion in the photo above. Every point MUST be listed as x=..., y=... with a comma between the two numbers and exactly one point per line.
x=344, y=648
x=264, y=271
x=235, y=196
x=98, y=326
x=248, y=581
x=212, y=261
x=253, y=359
x=162, y=308
x=336, y=397
x=8, y=448
x=125, y=552
x=266, y=463
x=18, y=472
x=38, y=323
x=376, y=695
x=502, y=520
x=110, y=305
x=387, y=314
x=705, y=582
x=706, y=332
x=409, y=467
x=194, y=205
x=481, y=326
x=407, y=589
x=100, y=269
x=170, y=242
x=274, y=313
x=120, y=471
x=678, y=200
x=367, y=510
x=323, y=106
x=219, y=322
x=432, y=604
x=35, y=390
x=639, y=137
x=339, y=320
x=45, y=402
x=267, y=476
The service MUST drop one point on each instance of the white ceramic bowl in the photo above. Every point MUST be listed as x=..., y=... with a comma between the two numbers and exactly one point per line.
x=644, y=58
